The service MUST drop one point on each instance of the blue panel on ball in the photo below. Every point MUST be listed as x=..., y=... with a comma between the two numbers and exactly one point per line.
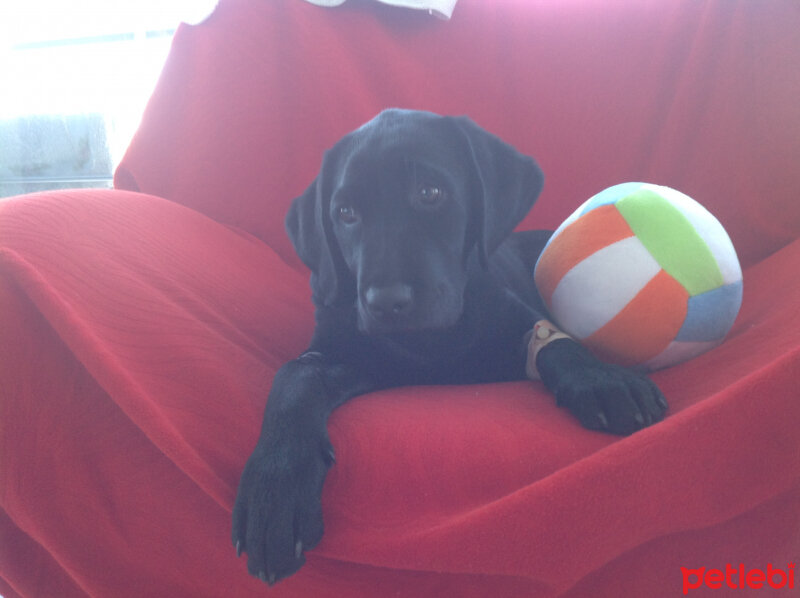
x=610, y=195
x=711, y=314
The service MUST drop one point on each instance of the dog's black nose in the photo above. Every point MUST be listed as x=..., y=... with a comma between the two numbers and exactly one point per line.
x=392, y=301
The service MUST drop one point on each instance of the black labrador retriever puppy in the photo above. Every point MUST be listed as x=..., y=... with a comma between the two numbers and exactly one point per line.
x=416, y=279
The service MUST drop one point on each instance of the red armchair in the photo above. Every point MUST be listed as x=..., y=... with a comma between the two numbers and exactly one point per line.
x=140, y=327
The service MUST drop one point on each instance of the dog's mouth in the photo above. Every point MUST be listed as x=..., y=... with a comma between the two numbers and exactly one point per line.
x=430, y=333
x=423, y=318
x=429, y=344
x=404, y=327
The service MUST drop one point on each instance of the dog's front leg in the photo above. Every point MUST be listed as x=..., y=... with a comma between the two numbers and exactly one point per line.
x=278, y=511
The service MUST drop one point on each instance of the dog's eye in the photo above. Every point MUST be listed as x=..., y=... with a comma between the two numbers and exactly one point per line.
x=430, y=195
x=348, y=215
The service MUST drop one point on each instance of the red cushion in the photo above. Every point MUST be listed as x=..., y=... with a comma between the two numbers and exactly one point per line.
x=138, y=337
x=142, y=341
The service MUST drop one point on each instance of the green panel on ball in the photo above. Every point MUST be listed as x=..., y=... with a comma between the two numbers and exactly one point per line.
x=682, y=253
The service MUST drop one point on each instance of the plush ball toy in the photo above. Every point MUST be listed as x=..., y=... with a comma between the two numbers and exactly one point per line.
x=642, y=275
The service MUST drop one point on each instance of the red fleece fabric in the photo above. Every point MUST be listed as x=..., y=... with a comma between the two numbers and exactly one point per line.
x=140, y=327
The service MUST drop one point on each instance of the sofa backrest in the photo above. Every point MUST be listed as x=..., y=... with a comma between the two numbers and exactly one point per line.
x=701, y=96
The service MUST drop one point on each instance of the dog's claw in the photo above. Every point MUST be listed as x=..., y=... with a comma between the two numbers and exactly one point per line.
x=262, y=576
x=298, y=549
x=330, y=457
x=601, y=417
x=271, y=580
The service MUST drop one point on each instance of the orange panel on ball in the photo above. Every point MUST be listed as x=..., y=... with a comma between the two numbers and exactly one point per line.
x=589, y=233
x=645, y=326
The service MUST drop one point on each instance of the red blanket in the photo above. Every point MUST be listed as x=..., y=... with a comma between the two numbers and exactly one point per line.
x=139, y=332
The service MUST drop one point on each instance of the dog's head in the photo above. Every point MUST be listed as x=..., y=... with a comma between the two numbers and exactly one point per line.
x=397, y=208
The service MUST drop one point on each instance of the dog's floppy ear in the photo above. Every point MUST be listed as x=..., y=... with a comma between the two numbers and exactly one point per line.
x=309, y=228
x=509, y=183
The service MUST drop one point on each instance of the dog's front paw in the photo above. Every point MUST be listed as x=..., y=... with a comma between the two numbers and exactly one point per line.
x=611, y=398
x=602, y=396
x=278, y=511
